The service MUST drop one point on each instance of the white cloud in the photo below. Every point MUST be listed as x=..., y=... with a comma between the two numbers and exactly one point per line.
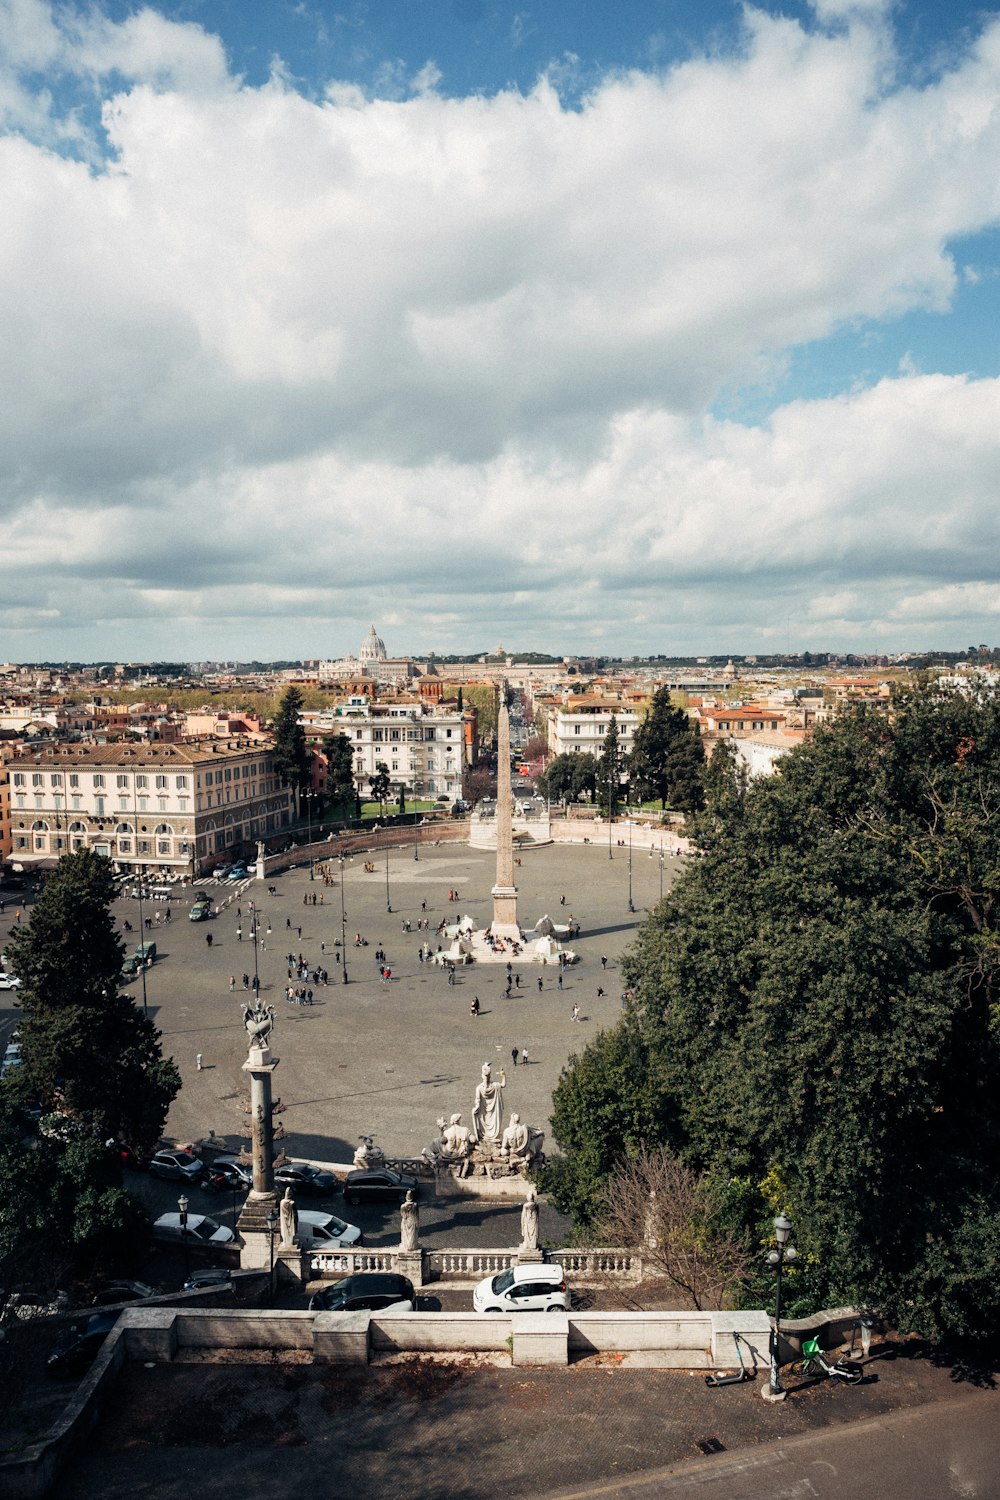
x=274, y=339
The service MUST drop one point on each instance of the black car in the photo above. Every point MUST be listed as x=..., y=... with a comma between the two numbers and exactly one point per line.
x=369, y=1291
x=108, y=1293
x=81, y=1346
x=303, y=1178
x=226, y=1174
x=378, y=1186
x=210, y=1276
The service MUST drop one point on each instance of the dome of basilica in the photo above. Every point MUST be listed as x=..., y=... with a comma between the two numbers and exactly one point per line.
x=372, y=647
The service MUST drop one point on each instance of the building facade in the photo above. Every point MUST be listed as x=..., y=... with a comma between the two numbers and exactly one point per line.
x=424, y=748
x=168, y=809
x=579, y=728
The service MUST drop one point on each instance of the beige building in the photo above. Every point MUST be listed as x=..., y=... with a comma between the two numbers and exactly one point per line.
x=169, y=809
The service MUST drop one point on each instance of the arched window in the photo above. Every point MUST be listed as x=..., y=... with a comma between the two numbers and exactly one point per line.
x=124, y=828
x=164, y=829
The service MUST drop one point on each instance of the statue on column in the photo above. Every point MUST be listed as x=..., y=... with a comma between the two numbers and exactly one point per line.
x=409, y=1223
x=529, y=1222
x=289, y=1219
x=258, y=1019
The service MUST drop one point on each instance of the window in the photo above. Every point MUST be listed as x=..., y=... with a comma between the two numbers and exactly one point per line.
x=74, y=779
x=36, y=778
x=229, y=774
x=144, y=804
x=142, y=781
x=57, y=778
x=99, y=807
x=448, y=734
x=21, y=799
x=182, y=783
x=246, y=770
x=161, y=804
x=121, y=780
x=39, y=800
x=123, y=804
x=76, y=803
x=19, y=778
x=124, y=828
x=98, y=779
x=161, y=783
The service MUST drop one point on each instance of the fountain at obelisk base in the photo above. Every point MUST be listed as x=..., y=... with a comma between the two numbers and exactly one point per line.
x=503, y=941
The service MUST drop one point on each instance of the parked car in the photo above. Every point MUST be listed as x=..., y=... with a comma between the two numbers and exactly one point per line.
x=375, y=1291
x=221, y=871
x=176, y=1166
x=110, y=1292
x=9, y=982
x=370, y=1185
x=238, y=872
x=77, y=1351
x=325, y=1231
x=523, y=1289
x=226, y=1173
x=302, y=1177
x=199, y=1227
x=11, y=1058
x=210, y=1276
x=201, y=910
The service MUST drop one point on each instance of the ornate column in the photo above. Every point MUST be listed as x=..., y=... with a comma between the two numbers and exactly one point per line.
x=258, y=1221
x=504, y=891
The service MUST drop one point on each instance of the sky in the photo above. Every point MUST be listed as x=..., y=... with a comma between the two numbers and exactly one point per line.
x=580, y=326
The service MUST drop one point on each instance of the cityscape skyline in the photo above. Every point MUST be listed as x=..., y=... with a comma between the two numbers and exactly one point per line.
x=663, y=331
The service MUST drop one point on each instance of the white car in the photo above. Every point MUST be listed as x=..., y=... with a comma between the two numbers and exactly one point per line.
x=11, y=1058
x=9, y=982
x=523, y=1289
x=325, y=1231
x=199, y=1227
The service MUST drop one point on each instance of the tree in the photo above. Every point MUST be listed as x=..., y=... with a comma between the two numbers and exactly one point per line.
x=381, y=785
x=478, y=782
x=609, y=769
x=88, y=1052
x=655, y=1199
x=402, y=798
x=668, y=757
x=817, y=1013
x=339, y=757
x=291, y=759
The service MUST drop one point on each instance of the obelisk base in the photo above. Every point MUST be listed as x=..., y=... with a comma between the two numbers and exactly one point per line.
x=505, y=924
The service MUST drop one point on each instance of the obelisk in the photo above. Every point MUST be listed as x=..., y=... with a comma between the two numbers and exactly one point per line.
x=504, y=891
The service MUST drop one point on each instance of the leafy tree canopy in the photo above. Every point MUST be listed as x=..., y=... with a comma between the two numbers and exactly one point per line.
x=87, y=1051
x=668, y=757
x=339, y=769
x=291, y=758
x=569, y=776
x=816, y=1013
x=610, y=766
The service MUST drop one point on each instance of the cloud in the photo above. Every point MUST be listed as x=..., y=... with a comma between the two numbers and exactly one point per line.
x=280, y=351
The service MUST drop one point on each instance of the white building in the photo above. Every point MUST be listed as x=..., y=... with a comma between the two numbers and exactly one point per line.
x=424, y=748
x=371, y=661
x=580, y=728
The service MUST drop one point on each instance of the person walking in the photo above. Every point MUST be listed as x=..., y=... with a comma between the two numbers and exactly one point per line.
x=560, y=980
x=208, y=940
x=539, y=984
x=604, y=961
x=474, y=1007
x=576, y=1013
x=524, y=1057
x=513, y=1056
x=232, y=981
x=517, y=981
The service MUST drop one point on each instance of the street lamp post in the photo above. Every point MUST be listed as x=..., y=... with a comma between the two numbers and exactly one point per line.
x=307, y=797
x=343, y=924
x=388, y=903
x=661, y=873
x=630, y=905
x=783, y=1254
x=182, y=1204
x=417, y=820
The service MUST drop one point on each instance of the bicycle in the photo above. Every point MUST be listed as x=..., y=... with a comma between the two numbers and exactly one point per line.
x=815, y=1364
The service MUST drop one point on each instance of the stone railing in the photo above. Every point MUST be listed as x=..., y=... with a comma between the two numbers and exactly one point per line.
x=443, y=1265
x=459, y=1265
x=346, y=1262
x=618, y=1265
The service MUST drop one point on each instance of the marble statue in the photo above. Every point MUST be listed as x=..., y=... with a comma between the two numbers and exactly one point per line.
x=516, y=1141
x=258, y=1019
x=487, y=1110
x=529, y=1222
x=433, y=1152
x=409, y=1223
x=289, y=1216
x=367, y=1154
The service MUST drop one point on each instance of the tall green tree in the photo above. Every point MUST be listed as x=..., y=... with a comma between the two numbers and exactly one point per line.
x=88, y=1052
x=381, y=784
x=610, y=766
x=339, y=757
x=819, y=1012
x=291, y=758
x=569, y=776
x=668, y=757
